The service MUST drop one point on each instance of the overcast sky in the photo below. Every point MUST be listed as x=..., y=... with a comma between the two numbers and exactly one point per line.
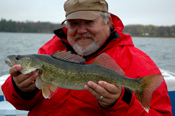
x=154, y=12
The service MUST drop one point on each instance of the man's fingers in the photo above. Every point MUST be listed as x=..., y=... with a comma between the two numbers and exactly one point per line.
x=93, y=92
x=96, y=87
x=105, y=93
x=109, y=87
x=25, y=82
x=28, y=80
x=14, y=71
x=96, y=90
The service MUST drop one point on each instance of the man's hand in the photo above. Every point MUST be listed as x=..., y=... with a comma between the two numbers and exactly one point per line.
x=25, y=83
x=110, y=92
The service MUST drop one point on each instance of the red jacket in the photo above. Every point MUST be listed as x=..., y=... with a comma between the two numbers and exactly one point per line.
x=65, y=102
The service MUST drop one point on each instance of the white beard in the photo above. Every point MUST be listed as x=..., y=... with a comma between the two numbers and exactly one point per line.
x=87, y=51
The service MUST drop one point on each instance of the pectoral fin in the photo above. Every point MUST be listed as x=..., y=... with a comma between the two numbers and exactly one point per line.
x=48, y=90
x=39, y=82
x=45, y=90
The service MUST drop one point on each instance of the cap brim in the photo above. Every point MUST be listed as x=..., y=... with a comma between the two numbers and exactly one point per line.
x=86, y=15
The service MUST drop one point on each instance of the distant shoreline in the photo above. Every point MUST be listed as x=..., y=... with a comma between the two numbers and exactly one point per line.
x=155, y=36
x=136, y=30
x=53, y=33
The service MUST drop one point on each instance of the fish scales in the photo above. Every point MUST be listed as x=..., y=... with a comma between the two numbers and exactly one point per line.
x=74, y=75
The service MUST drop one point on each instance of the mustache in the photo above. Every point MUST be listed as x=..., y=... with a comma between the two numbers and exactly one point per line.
x=84, y=35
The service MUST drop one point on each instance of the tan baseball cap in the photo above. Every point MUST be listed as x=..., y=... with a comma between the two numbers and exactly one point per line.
x=84, y=9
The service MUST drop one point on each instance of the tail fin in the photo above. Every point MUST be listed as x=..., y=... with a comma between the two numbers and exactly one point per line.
x=149, y=84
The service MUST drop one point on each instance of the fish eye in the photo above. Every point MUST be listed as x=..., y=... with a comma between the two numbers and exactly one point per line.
x=18, y=57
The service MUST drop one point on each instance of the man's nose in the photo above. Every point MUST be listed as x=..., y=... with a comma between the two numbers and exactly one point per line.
x=82, y=28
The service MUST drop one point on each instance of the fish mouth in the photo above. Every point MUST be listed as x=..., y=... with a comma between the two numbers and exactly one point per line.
x=8, y=61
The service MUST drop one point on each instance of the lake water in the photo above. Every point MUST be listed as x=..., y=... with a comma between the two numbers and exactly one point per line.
x=161, y=50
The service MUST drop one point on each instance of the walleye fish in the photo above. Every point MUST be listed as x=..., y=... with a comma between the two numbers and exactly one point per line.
x=66, y=70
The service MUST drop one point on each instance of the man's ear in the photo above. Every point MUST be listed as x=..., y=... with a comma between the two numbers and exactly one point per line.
x=109, y=22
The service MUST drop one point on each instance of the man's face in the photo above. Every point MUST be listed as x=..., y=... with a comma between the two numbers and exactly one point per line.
x=87, y=36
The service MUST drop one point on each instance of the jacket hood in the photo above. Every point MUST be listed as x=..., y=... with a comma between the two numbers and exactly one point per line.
x=125, y=39
x=117, y=23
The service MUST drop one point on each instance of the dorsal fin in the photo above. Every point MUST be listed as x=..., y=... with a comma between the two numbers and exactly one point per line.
x=67, y=56
x=104, y=60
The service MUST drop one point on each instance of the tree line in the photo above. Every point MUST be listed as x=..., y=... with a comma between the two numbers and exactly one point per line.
x=149, y=30
x=47, y=27
x=28, y=26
